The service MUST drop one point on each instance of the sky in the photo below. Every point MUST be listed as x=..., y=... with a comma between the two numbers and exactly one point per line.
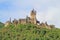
x=47, y=10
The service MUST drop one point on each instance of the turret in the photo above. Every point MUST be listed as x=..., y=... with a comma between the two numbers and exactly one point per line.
x=33, y=14
x=15, y=22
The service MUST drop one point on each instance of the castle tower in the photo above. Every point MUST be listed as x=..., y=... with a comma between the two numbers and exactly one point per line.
x=33, y=16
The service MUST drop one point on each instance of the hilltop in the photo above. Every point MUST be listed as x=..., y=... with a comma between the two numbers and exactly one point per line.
x=28, y=32
x=28, y=28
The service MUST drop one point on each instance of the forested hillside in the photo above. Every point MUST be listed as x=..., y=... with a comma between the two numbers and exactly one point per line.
x=28, y=32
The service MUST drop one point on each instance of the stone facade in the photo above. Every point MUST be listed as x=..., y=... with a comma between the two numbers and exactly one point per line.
x=22, y=21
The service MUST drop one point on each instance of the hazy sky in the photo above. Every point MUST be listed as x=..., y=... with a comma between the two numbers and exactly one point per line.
x=47, y=10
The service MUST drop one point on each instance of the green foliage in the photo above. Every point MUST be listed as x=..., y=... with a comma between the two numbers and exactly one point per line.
x=28, y=32
x=1, y=25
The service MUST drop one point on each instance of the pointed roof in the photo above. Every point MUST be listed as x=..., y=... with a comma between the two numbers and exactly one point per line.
x=33, y=12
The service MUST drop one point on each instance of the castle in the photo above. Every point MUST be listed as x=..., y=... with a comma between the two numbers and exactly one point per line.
x=32, y=19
